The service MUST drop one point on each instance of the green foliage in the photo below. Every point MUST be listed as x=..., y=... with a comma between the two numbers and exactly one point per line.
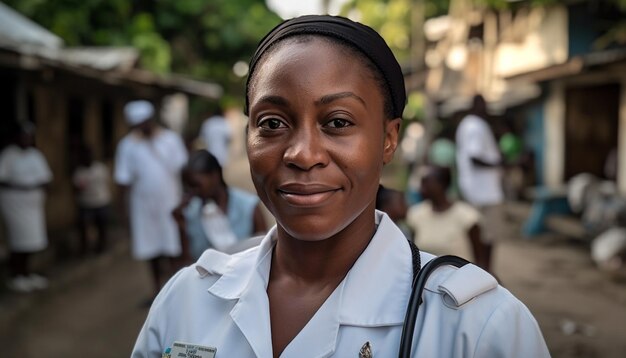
x=392, y=19
x=196, y=37
x=414, y=109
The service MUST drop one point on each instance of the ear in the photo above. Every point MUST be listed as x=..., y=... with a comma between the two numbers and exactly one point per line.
x=392, y=132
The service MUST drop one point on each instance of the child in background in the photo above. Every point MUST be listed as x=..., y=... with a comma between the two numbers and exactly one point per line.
x=446, y=227
x=92, y=180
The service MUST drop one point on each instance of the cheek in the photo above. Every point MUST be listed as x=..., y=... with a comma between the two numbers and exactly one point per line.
x=263, y=158
x=361, y=161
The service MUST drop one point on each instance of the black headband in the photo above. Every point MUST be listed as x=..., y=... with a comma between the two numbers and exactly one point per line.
x=362, y=37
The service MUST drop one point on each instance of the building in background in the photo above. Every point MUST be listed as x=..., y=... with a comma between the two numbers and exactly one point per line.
x=552, y=70
x=75, y=97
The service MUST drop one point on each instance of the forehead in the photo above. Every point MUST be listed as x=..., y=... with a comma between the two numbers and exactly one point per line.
x=310, y=58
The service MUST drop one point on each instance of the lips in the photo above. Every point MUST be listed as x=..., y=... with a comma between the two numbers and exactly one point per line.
x=307, y=195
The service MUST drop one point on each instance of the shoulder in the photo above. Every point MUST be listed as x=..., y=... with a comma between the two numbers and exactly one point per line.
x=457, y=287
x=127, y=141
x=488, y=316
x=9, y=152
x=464, y=209
x=202, y=275
x=419, y=210
x=100, y=167
x=168, y=134
x=10, y=149
x=35, y=154
x=470, y=124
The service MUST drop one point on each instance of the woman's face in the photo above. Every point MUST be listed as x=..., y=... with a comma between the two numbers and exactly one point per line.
x=317, y=138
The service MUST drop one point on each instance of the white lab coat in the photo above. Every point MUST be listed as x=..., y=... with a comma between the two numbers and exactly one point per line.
x=152, y=170
x=222, y=302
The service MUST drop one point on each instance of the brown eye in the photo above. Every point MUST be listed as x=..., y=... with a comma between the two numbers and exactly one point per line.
x=272, y=123
x=338, y=123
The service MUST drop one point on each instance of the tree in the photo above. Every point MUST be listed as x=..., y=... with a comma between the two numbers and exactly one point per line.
x=203, y=39
x=393, y=19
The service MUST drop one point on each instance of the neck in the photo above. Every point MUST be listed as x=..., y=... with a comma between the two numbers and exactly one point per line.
x=322, y=261
x=440, y=203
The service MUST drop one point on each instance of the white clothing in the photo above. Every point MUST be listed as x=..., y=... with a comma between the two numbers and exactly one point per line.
x=152, y=170
x=137, y=112
x=23, y=209
x=478, y=185
x=443, y=233
x=216, y=134
x=222, y=302
x=93, y=185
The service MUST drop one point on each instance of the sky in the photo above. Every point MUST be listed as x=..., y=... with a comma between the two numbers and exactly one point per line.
x=291, y=8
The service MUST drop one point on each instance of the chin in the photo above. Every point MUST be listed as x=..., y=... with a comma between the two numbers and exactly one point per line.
x=311, y=228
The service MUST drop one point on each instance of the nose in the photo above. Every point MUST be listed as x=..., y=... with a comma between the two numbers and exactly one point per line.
x=306, y=149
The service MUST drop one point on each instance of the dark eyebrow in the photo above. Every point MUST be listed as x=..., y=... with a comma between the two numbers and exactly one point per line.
x=335, y=96
x=277, y=100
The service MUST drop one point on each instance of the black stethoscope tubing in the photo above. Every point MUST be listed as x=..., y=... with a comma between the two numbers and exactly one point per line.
x=406, y=339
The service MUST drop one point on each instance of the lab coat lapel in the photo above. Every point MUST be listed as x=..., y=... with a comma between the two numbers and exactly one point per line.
x=377, y=287
x=247, y=284
x=251, y=315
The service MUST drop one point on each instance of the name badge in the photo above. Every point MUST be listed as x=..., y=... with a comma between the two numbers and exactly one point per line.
x=186, y=350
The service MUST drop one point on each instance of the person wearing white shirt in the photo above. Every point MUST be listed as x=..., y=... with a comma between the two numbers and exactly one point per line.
x=216, y=133
x=325, y=97
x=23, y=174
x=479, y=165
x=148, y=164
x=91, y=180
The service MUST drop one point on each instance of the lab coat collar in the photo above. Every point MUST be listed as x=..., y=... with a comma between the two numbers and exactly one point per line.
x=239, y=270
x=369, y=297
x=366, y=297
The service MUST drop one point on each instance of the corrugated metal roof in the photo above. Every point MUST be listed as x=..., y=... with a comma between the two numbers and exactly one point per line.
x=19, y=30
x=102, y=58
x=34, y=47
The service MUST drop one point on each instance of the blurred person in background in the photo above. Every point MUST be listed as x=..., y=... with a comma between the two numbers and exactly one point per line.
x=479, y=165
x=446, y=227
x=24, y=174
x=213, y=214
x=91, y=180
x=148, y=167
x=216, y=134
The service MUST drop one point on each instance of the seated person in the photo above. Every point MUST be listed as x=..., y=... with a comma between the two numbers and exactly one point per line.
x=212, y=214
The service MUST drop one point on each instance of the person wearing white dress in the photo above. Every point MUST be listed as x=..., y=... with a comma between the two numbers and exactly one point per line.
x=24, y=173
x=148, y=163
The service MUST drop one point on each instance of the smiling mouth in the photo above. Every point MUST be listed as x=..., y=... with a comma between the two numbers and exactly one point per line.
x=304, y=196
